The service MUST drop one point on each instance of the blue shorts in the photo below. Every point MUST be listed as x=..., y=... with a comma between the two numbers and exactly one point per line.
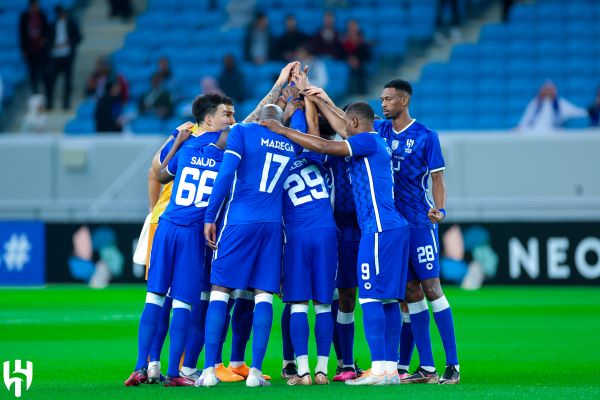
x=348, y=241
x=248, y=256
x=208, y=256
x=309, y=266
x=177, y=262
x=424, y=257
x=382, y=264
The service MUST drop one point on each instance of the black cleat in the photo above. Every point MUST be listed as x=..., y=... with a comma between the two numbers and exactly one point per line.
x=421, y=376
x=289, y=371
x=451, y=376
x=358, y=370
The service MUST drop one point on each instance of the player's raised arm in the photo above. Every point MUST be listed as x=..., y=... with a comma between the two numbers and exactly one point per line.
x=333, y=114
x=164, y=174
x=312, y=117
x=273, y=95
x=314, y=143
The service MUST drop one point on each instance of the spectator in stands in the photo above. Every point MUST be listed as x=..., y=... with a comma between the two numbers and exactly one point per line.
x=260, y=44
x=547, y=111
x=109, y=108
x=102, y=74
x=240, y=13
x=164, y=68
x=594, y=110
x=455, y=17
x=33, y=34
x=317, y=72
x=232, y=80
x=36, y=120
x=327, y=41
x=291, y=39
x=121, y=8
x=63, y=41
x=358, y=53
x=157, y=101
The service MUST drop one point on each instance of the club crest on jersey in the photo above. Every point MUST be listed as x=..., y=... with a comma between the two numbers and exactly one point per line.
x=395, y=144
x=409, y=144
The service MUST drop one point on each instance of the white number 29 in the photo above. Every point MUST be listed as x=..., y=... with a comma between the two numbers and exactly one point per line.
x=425, y=254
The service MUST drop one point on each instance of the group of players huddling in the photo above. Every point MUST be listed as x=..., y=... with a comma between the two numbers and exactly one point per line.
x=307, y=201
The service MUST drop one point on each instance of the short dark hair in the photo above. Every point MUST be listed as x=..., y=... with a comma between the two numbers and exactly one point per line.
x=400, y=84
x=363, y=111
x=208, y=103
x=325, y=129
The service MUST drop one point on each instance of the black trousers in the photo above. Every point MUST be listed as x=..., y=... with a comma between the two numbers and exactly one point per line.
x=59, y=66
x=36, y=68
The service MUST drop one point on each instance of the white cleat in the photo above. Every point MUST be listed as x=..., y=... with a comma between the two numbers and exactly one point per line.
x=393, y=379
x=368, y=379
x=193, y=377
x=154, y=374
x=207, y=380
x=256, y=381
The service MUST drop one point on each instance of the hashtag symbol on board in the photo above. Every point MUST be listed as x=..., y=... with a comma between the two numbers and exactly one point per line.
x=16, y=251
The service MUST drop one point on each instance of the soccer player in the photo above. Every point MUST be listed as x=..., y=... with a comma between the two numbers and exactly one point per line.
x=248, y=248
x=417, y=155
x=383, y=250
x=178, y=252
x=310, y=252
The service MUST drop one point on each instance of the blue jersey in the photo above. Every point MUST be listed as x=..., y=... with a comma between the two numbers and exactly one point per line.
x=195, y=167
x=344, y=210
x=255, y=166
x=307, y=201
x=372, y=183
x=205, y=138
x=416, y=152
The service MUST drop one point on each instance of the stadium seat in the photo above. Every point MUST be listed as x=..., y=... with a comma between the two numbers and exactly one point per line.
x=83, y=126
x=146, y=125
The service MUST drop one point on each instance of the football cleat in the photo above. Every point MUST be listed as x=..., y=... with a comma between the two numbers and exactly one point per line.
x=303, y=380
x=255, y=381
x=242, y=370
x=368, y=378
x=451, y=376
x=225, y=375
x=207, y=380
x=289, y=371
x=321, y=379
x=154, y=374
x=192, y=377
x=393, y=379
x=421, y=376
x=345, y=375
x=137, y=377
x=402, y=373
x=177, y=381
x=358, y=370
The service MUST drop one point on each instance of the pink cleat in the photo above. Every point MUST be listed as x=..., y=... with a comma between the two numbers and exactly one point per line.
x=345, y=375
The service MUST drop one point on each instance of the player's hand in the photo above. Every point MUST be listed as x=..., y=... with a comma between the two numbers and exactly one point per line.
x=435, y=216
x=290, y=92
x=272, y=124
x=286, y=72
x=210, y=234
x=186, y=126
x=300, y=79
x=183, y=135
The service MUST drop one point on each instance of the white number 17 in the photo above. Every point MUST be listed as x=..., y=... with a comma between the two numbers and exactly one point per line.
x=272, y=158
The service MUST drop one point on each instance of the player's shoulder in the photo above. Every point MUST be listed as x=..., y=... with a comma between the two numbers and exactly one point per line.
x=422, y=129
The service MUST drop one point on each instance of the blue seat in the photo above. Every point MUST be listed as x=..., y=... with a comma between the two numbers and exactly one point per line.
x=465, y=52
x=493, y=33
x=146, y=124
x=86, y=109
x=435, y=71
x=522, y=13
x=84, y=126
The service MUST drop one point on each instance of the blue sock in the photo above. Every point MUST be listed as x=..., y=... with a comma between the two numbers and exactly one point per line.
x=230, y=304
x=215, y=321
x=442, y=313
x=337, y=343
x=374, y=323
x=419, y=317
x=299, y=329
x=161, y=331
x=288, y=347
x=407, y=342
x=178, y=335
x=241, y=327
x=148, y=324
x=393, y=322
x=262, y=321
x=345, y=328
x=323, y=329
x=195, y=339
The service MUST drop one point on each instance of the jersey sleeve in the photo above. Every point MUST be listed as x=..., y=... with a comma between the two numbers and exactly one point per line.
x=235, y=142
x=221, y=186
x=172, y=165
x=435, y=158
x=165, y=150
x=298, y=121
x=362, y=145
x=377, y=124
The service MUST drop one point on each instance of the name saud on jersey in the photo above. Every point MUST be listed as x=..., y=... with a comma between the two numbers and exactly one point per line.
x=203, y=161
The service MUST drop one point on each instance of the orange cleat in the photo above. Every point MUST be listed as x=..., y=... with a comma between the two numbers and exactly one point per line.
x=225, y=375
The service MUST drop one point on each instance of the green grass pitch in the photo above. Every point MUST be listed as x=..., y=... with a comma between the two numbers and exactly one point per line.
x=523, y=342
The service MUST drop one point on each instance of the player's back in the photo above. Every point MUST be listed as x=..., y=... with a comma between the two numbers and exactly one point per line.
x=372, y=184
x=265, y=159
x=195, y=167
x=416, y=153
x=307, y=201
